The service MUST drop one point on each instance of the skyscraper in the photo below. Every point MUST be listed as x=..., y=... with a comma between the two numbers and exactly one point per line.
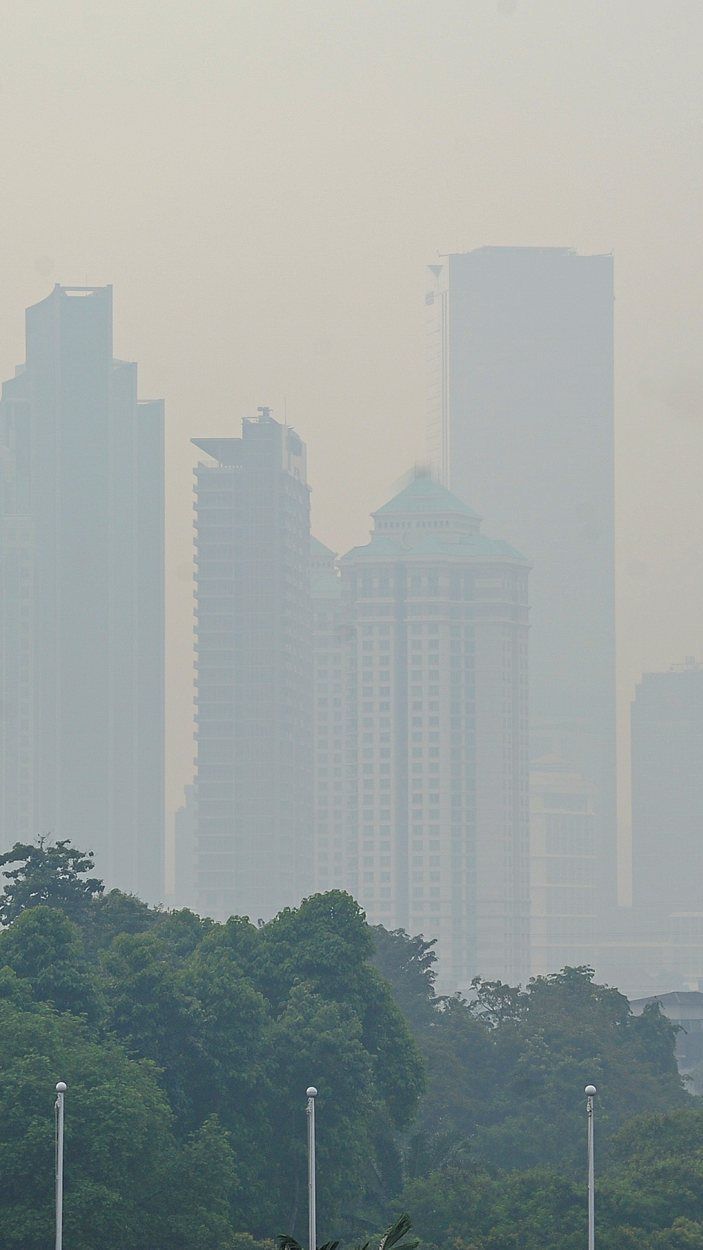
x=437, y=747
x=335, y=850
x=81, y=562
x=184, y=861
x=659, y=946
x=667, y=792
x=563, y=927
x=521, y=422
x=254, y=842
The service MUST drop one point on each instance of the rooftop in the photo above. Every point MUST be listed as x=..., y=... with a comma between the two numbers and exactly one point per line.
x=426, y=520
x=416, y=543
x=425, y=495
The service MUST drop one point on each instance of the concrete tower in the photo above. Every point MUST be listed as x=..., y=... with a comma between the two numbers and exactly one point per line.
x=437, y=616
x=254, y=840
x=520, y=343
x=82, y=569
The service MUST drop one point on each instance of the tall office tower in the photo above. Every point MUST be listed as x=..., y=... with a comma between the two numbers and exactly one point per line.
x=335, y=863
x=667, y=793
x=17, y=817
x=254, y=672
x=562, y=868
x=82, y=614
x=184, y=860
x=521, y=423
x=438, y=675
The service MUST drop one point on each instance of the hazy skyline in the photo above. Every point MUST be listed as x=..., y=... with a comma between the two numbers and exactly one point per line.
x=264, y=184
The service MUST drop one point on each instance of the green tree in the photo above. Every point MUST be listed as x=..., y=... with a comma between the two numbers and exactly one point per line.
x=188, y=1046
x=313, y=965
x=234, y=1077
x=113, y=913
x=325, y=943
x=207, y=1190
x=125, y=1172
x=320, y=1042
x=153, y=1011
x=506, y=1072
x=407, y=964
x=51, y=873
x=649, y=1196
x=45, y=949
x=181, y=932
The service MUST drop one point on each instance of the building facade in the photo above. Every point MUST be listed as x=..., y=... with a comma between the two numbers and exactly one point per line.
x=335, y=850
x=520, y=421
x=253, y=789
x=667, y=791
x=563, y=925
x=659, y=943
x=184, y=858
x=82, y=615
x=667, y=826
x=437, y=738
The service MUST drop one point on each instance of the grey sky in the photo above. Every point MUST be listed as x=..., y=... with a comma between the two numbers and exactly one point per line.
x=264, y=182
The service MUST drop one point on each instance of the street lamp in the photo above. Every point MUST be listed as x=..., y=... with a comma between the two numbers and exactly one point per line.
x=312, y=1192
x=590, y=1092
x=60, y=1091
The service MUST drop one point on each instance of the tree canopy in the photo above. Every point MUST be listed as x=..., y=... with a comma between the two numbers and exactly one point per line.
x=234, y=1022
x=47, y=872
x=187, y=1046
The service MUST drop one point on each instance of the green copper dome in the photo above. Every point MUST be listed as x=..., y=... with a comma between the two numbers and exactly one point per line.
x=424, y=495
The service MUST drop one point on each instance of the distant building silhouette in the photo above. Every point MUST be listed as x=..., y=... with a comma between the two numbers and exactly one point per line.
x=437, y=738
x=82, y=604
x=253, y=789
x=184, y=856
x=563, y=920
x=667, y=792
x=335, y=844
x=520, y=343
x=658, y=945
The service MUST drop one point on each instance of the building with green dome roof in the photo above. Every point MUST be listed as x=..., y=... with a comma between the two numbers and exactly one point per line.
x=431, y=651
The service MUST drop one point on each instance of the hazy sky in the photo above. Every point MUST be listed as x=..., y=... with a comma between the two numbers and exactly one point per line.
x=264, y=183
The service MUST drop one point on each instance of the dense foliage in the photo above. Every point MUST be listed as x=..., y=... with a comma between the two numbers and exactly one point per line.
x=47, y=872
x=187, y=1047
x=497, y=1156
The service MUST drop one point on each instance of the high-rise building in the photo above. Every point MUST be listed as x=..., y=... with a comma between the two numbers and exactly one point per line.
x=253, y=790
x=563, y=928
x=659, y=943
x=184, y=858
x=520, y=351
x=437, y=744
x=335, y=853
x=82, y=614
x=667, y=791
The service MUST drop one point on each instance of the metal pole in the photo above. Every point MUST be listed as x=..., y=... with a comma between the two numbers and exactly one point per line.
x=590, y=1092
x=60, y=1091
x=312, y=1194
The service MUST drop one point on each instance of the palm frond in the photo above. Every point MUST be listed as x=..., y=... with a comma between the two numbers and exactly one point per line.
x=285, y=1242
x=393, y=1236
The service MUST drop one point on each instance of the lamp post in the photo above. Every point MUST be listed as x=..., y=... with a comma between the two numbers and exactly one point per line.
x=60, y=1091
x=312, y=1193
x=590, y=1092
